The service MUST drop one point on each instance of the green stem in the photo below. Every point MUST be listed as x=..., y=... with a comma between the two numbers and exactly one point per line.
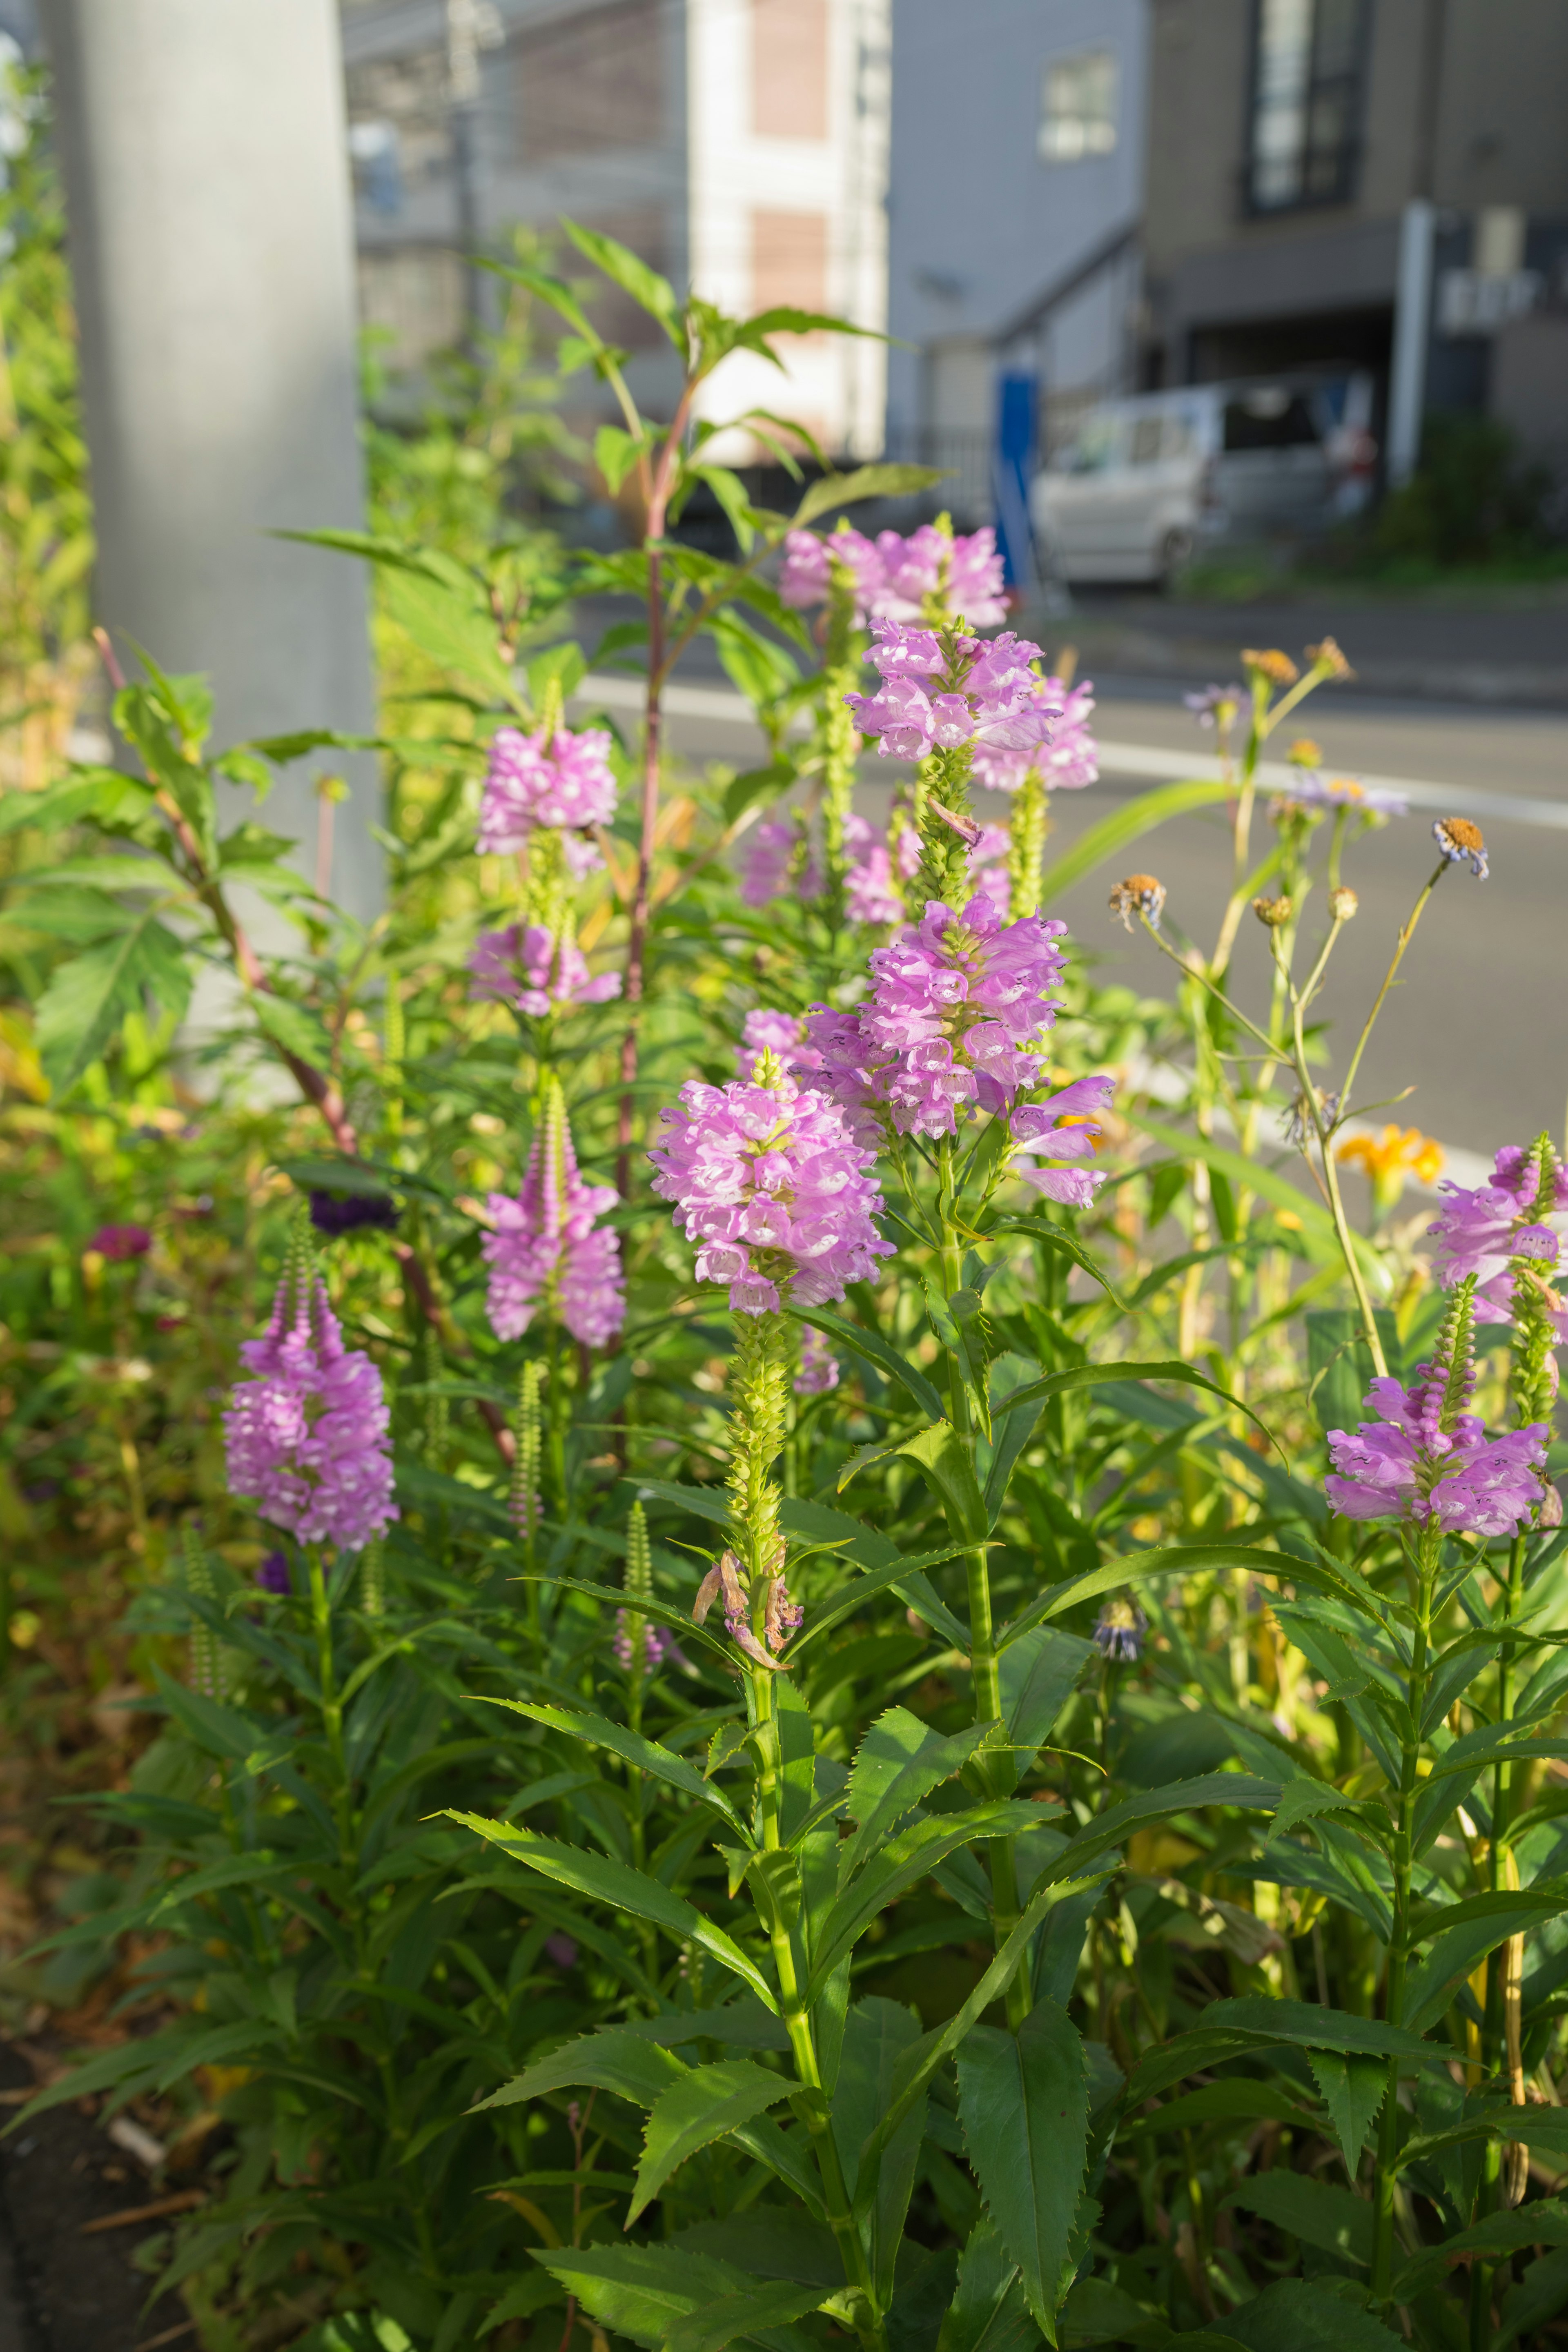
x=1401, y=943
x=1399, y=1939
x=982, y=1658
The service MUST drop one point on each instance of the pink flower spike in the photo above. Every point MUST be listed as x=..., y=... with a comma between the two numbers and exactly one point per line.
x=768, y=1180
x=531, y=786
x=548, y=1254
x=307, y=1435
x=526, y=966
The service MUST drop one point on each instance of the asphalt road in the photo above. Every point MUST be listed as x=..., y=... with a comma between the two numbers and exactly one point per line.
x=1479, y=1023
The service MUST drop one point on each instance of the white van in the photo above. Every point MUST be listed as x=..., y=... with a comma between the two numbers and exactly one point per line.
x=1149, y=481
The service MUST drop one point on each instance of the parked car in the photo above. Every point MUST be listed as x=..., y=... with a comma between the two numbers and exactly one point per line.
x=1149, y=481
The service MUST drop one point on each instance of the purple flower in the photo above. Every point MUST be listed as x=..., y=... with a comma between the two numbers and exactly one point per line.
x=818, y=1370
x=989, y=867
x=1425, y=1462
x=562, y=1949
x=870, y=891
x=1039, y=1132
x=657, y=1644
x=547, y=1254
x=1216, y=704
x=778, y=864
x=121, y=1242
x=1002, y=704
x=351, y=1213
x=307, y=1435
x=1312, y=789
x=529, y=967
x=1484, y=1229
x=530, y=786
x=769, y=1181
x=766, y=1031
x=1119, y=1635
x=272, y=1576
x=912, y=569
x=1070, y=761
x=805, y=576
x=957, y=1013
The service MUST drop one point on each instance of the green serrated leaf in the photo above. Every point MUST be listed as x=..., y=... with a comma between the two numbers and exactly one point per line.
x=706, y=2105
x=1023, y=2101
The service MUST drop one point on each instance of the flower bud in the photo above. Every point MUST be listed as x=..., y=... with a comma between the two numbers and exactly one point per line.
x=1328, y=659
x=1343, y=903
x=1305, y=754
x=1271, y=663
x=1274, y=913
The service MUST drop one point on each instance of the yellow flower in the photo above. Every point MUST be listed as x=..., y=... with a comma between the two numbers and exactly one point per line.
x=1388, y=1158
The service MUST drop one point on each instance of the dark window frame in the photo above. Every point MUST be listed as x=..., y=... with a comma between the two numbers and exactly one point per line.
x=1330, y=171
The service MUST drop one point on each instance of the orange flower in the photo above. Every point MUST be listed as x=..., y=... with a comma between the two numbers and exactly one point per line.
x=1388, y=1158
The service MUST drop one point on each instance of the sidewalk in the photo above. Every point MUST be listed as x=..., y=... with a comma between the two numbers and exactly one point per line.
x=1514, y=654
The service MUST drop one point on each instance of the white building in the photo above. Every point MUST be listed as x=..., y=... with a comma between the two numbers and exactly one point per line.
x=1016, y=187
x=739, y=146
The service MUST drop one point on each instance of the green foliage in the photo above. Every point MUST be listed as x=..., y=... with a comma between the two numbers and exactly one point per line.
x=1127, y=1909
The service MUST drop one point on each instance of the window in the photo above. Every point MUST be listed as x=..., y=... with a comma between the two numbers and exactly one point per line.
x=591, y=81
x=1269, y=420
x=789, y=68
x=1306, y=103
x=789, y=260
x=1095, y=447
x=1078, y=117
x=1145, y=441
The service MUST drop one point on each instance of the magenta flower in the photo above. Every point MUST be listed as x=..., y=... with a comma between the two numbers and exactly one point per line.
x=1065, y=763
x=531, y=786
x=1039, y=1133
x=996, y=698
x=658, y=1645
x=989, y=867
x=818, y=1370
x=777, y=867
x=912, y=569
x=769, y=1181
x=307, y=1435
x=957, y=1013
x=527, y=966
x=1484, y=1229
x=1406, y=1467
x=768, y=1032
x=121, y=1242
x=805, y=576
x=547, y=1254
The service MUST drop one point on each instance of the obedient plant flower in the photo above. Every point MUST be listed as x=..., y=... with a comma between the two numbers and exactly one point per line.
x=553, y=781
x=547, y=1255
x=537, y=970
x=1496, y=1234
x=1065, y=764
x=932, y=573
x=807, y=576
x=769, y=1181
x=307, y=1432
x=1461, y=844
x=1427, y=1462
x=956, y=1015
x=817, y=1370
x=729, y=1580
x=1062, y=1127
x=942, y=689
x=780, y=862
x=766, y=1031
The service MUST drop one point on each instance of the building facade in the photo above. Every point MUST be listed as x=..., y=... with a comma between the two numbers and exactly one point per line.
x=1015, y=190
x=739, y=146
x=1373, y=184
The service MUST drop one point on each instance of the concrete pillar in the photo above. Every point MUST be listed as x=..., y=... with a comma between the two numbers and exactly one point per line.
x=1412, y=342
x=211, y=240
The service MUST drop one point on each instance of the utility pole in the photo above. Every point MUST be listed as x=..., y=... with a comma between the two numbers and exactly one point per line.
x=471, y=26
x=211, y=248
